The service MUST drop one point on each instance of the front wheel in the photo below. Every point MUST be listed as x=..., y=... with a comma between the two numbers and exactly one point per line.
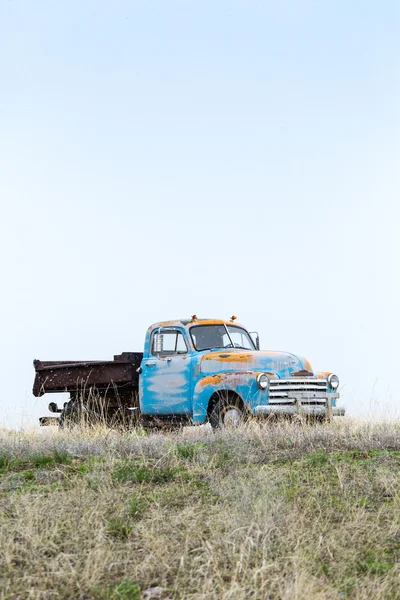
x=228, y=412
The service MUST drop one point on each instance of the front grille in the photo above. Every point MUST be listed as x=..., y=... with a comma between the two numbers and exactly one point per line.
x=313, y=390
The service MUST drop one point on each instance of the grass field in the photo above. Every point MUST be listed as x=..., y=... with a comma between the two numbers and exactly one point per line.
x=271, y=511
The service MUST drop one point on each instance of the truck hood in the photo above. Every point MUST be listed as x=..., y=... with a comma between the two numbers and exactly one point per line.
x=280, y=363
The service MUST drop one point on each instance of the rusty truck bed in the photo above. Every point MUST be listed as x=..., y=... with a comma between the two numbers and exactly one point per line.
x=119, y=374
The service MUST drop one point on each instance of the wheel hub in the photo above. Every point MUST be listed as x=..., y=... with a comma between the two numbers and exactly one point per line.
x=232, y=417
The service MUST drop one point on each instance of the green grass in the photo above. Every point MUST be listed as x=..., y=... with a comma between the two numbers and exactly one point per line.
x=8, y=463
x=136, y=473
x=137, y=507
x=119, y=527
x=189, y=450
x=262, y=512
x=124, y=590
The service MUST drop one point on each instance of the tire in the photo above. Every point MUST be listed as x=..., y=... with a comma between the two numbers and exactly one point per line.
x=69, y=416
x=76, y=413
x=66, y=421
x=228, y=411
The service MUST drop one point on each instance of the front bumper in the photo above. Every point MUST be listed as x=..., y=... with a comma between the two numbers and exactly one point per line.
x=306, y=404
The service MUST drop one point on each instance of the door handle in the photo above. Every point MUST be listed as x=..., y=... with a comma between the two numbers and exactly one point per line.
x=151, y=364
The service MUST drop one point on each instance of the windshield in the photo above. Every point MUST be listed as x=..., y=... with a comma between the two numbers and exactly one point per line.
x=205, y=337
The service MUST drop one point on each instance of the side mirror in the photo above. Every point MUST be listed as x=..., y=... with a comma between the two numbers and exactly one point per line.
x=256, y=338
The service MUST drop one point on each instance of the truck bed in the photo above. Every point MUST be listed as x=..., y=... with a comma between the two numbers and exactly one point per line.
x=119, y=375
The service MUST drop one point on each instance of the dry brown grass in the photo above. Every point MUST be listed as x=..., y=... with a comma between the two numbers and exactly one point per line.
x=271, y=511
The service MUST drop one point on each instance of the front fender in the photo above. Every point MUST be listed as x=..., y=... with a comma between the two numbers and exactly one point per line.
x=244, y=384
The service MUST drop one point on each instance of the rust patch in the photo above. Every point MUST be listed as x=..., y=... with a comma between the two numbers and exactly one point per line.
x=307, y=365
x=232, y=377
x=234, y=357
x=215, y=322
x=239, y=356
x=303, y=373
x=211, y=380
x=270, y=374
x=323, y=375
x=166, y=324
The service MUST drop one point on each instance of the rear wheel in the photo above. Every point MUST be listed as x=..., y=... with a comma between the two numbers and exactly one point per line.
x=97, y=414
x=228, y=411
x=69, y=416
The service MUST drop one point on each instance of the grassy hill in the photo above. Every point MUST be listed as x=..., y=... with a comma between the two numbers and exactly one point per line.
x=271, y=511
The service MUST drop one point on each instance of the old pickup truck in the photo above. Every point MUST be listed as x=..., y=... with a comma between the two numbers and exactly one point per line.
x=191, y=371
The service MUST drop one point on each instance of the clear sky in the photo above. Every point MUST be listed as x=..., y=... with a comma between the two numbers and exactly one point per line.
x=159, y=159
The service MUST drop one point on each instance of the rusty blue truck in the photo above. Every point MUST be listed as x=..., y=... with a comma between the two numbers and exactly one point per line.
x=191, y=371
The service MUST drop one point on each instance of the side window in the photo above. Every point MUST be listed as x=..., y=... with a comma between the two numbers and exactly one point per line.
x=167, y=343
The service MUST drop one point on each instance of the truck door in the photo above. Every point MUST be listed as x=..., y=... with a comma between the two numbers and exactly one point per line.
x=165, y=381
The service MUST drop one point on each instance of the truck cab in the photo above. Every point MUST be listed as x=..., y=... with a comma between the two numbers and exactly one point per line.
x=212, y=370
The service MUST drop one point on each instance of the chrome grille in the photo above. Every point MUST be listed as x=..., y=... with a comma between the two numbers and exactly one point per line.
x=286, y=389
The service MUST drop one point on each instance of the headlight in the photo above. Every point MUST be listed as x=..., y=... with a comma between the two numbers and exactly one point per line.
x=333, y=381
x=263, y=381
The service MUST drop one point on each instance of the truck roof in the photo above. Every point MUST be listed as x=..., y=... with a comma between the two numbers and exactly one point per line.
x=195, y=321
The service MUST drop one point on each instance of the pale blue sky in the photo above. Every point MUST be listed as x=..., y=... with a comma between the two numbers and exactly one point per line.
x=159, y=159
